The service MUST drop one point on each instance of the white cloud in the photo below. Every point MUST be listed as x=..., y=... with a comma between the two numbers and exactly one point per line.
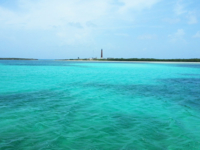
x=178, y=36
x=172, y=20
x=192, y=19
x=136, y=4
x=179, y=8
x=71, y=21
x=122, y=34
x=180, y=33
x=46, y=14
x=197, y=35
x=147, y=37
x=58, y=13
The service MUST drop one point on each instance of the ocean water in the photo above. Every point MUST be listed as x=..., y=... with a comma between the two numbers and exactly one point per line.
x=59, y=105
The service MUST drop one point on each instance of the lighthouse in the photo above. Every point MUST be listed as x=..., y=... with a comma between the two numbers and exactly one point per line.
x=101, y=53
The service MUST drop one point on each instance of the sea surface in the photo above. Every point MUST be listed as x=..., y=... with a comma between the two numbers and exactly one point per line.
x=63, y=105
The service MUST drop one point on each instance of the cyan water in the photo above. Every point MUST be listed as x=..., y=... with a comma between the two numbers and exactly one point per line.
x=57, y=105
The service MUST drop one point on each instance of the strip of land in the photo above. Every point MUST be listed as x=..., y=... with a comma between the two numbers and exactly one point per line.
x=17, y=59
x=136, y=60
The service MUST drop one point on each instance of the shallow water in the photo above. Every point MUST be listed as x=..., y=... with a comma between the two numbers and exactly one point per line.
x=97, y=106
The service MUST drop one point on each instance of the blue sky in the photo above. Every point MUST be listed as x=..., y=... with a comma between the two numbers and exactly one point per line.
x=48, y=29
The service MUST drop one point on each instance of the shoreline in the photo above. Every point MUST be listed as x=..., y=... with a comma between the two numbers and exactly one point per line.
x=18, y=59
x=163, y=62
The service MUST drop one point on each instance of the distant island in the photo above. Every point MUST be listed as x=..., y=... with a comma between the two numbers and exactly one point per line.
x=134, y=59
x=17, y=59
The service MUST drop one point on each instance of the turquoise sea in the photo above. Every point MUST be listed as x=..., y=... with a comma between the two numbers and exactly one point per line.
x=63, y=105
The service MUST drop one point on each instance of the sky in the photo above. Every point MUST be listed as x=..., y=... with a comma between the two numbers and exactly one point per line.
x=62, y=29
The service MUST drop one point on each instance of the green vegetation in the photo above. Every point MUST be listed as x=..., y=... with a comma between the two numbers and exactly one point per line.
x=153, y=59
x=17, y=59
x=139, y=59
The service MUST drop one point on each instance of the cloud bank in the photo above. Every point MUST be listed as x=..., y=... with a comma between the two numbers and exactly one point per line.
x=70, y=20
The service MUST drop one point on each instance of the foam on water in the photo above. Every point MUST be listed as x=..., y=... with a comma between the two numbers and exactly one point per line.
x=89, y=105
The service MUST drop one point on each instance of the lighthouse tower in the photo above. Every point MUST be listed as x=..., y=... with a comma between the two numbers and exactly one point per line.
x=101, y=53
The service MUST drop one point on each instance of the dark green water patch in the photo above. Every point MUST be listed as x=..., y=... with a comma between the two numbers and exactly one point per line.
x=179, y=91
x=152, y=132
x=196, y=66
x=191, y=74
x=33, y=97
x=36, y=120
x=167, y=88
